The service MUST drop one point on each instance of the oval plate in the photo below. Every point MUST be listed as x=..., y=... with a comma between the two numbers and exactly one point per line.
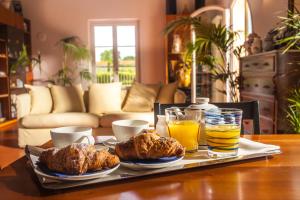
x=66, y=177
x=151, y=164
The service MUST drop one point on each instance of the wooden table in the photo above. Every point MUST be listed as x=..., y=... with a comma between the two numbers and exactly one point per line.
x=268, y=178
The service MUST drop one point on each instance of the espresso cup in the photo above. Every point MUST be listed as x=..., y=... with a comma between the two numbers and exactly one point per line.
x=64, y=136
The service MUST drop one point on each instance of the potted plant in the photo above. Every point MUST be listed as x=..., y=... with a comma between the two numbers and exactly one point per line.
x=209, y=38
x=23, y=63
x=73, y=54
x=183, y=72
x=290, y=26
x=293, y=111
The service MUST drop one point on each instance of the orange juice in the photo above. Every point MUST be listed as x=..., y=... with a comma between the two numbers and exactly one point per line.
x=186, y=132
x=223, y=138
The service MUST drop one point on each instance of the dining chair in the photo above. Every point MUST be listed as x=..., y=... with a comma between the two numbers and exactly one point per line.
x=250, y=113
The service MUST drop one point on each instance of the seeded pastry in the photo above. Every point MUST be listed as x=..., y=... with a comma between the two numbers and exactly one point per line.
x=149, y=145
x=78, y=159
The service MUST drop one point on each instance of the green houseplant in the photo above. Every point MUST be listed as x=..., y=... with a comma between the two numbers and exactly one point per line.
x=290, y=25
x=293, y=111
x=24, y=61
x=212, y=38
x=73, y=53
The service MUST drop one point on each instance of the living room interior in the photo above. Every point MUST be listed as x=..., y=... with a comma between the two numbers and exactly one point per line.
x=97, y=65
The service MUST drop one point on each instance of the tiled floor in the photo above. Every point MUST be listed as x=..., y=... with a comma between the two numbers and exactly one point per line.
x=9, y=150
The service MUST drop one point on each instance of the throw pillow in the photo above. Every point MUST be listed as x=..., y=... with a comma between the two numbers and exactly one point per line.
x=105, y=98
x=166, y=93
x=41, y=100
x=141, y=97
x=67, y=99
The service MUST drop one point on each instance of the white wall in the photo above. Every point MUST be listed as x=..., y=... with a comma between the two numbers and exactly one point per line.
x=265, y=14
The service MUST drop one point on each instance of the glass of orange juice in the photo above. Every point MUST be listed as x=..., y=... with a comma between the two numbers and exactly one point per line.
x=222, y=129
x=184, y=126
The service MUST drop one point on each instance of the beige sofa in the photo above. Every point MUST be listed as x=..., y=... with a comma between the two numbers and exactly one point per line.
x=34, y=129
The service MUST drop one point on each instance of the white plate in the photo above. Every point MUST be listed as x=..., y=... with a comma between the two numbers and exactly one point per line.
x=139, y=165
x=65, y=177
x=111, y=143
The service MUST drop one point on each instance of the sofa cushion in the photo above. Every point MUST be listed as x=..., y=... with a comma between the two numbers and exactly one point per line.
x=67, y=99
x=41, y=100
x=54, y=120
x=107, y=119
x=166, y=93
x=124, y=95
x=179, y=97
x=105, y=98
x=141, y=97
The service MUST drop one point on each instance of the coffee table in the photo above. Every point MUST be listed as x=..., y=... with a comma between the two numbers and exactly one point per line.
x=267, y=178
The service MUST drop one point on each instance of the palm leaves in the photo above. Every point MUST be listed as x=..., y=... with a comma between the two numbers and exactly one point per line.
x=74, y=52
x=73, y=49
x=293, y=112
x=22, y=61
x=64, y=76
x=211, y=38
x=292, y=25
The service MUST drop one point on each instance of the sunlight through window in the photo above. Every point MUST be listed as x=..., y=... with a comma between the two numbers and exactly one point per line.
x=115, y=51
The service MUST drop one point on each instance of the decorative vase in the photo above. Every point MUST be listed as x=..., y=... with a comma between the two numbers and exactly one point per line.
x=184, y=77
x=256, y=45
x=177, y=44
x=268, y=44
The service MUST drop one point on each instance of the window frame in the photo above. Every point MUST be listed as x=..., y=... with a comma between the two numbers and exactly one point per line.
x=114, y=24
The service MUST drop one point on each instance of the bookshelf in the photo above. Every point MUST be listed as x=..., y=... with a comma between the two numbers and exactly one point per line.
x=14, y=32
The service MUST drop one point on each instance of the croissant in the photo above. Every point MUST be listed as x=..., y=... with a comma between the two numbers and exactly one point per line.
x=77, y=159
x=149, y=145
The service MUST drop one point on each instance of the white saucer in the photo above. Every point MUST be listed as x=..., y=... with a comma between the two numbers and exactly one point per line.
x=139, y=165
x=66, y=177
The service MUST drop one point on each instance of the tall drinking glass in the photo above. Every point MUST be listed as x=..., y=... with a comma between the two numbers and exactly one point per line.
x=223, y=128
x=184, y=126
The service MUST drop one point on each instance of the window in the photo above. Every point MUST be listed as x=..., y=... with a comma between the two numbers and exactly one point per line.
x=241, y=21
x=114, y=48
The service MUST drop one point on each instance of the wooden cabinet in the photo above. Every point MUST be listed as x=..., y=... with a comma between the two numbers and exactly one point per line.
x=269, y=77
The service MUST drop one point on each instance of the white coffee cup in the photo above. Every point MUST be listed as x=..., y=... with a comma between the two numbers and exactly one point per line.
x=64, y=136
x=124, y=129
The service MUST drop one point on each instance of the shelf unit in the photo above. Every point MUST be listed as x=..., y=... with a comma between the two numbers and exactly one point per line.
x=5, y=111
x=204, y=80
x=14, y=32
